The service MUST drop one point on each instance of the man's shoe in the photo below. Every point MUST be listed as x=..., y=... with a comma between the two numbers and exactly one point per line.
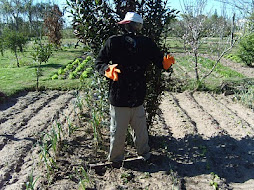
x=117, y=164
x=146, y=156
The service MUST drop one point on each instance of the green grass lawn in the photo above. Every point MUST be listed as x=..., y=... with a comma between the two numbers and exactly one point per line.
x=14, y=79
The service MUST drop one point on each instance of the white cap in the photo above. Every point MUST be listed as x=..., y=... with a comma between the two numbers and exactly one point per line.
x=131, y=16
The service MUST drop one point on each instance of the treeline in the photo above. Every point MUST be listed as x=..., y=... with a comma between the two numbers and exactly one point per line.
x=25, y=16
x=22, y=21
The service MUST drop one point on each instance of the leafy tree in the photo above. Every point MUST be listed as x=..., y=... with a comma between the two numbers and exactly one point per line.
x=95, y=20
x=15, y=41
x=54, y=24
x=246, y=49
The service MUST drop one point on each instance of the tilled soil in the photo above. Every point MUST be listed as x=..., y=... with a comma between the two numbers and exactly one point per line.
x=199, y=141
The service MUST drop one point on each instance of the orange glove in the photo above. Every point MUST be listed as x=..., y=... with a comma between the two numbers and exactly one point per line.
x=112, y=72
x=168, y=61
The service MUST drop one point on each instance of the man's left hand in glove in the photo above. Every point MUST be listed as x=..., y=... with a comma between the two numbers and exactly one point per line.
x=168, y=60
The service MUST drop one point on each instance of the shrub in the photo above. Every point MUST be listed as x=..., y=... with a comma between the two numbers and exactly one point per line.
x=246, y=95
x=15, y=41
x=246, y=49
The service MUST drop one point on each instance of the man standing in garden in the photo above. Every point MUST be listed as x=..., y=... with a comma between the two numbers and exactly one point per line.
x=123, y=59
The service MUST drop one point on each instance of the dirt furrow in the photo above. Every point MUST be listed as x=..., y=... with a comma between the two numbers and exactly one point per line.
x=29, y=167
x=214, y=148
x=16, y=121
x=45, y=117
x=228, y=120
x=16, y=105
x=12, y=159
x=176, y=117
x=194, y=144
x=206, y=124
x=18, y=147
x=12, y=126
x=244, y=114
x=32, y=160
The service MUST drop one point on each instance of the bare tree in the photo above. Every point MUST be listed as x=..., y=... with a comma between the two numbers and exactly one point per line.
x=197, y=31
x=194, y=27
x=244, y=6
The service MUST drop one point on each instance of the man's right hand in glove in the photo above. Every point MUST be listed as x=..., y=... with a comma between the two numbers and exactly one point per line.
x=112, y=72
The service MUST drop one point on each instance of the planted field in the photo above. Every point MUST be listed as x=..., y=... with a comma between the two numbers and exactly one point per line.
x=200, y=140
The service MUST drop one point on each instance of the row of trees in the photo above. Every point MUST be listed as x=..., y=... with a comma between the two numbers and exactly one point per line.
x=22, y=21
x=24, y=15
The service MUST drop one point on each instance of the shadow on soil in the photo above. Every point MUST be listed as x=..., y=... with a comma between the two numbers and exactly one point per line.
x=52, y=65
x=191, y=156
x=7, y=102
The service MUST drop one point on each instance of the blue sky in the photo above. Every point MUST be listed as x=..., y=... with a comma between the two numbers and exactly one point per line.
x=211, y=6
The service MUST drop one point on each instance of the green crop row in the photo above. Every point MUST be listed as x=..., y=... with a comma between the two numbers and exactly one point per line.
x=234, y=58
x=220, y=69
x=78, y=69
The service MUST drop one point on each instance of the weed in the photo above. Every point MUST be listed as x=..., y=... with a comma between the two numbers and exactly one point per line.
x=126, y=177
x=246, y=96
x=30, y=185
x=129, y=136
x=96, y=121
x=45, y=155
x=71, y=127
x=83, y=178
x=203, y=150
x=145, y=175
x=213, y=182
x=50, y=141
x=174, y=178
x=79, y=101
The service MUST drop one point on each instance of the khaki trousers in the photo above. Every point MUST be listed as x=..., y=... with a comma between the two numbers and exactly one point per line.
x=121, y=117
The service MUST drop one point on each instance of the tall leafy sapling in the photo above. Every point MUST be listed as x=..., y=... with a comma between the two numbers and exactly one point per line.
x=41, y=54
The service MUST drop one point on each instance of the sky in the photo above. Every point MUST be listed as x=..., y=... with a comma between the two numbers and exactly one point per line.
x=211, y=6
x=176, y=4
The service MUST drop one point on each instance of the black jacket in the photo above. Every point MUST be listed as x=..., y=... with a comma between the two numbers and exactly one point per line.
x=132, y=54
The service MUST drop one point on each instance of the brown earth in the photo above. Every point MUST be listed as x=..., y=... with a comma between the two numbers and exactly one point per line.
x=199, y=141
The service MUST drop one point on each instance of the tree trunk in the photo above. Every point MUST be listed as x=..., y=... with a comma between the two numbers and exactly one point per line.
x=16, y=55
x=196, y=64
x=233, y=29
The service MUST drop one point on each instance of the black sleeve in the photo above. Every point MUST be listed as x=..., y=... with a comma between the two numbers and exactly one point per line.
x=156, y=56
x=102, y=61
